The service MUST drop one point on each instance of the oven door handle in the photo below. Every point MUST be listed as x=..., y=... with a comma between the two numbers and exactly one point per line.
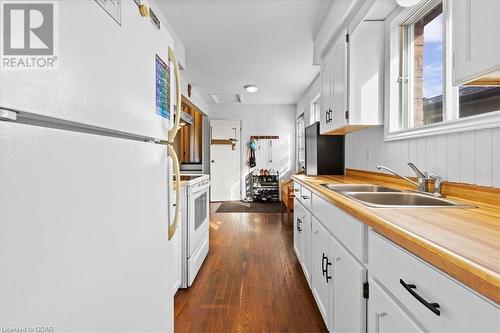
x=172, y=228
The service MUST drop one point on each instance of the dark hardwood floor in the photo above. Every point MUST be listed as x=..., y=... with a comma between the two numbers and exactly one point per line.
x=251, y=280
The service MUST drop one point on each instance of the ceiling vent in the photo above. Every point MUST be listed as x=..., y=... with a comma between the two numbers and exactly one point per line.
x=226, y=98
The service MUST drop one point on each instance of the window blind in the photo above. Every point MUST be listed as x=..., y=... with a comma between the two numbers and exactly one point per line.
x=300, y=143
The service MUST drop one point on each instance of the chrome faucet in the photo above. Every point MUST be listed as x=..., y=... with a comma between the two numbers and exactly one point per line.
x=422, y=178
x=438, y=181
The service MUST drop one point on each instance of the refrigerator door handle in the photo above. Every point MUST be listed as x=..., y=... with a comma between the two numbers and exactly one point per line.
x=173, y=132
x=173, y=227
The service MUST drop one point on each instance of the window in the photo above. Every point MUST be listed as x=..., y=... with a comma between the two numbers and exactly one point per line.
x=422, y=97
x=300, y=151
x=314, y=110
x=422, y=68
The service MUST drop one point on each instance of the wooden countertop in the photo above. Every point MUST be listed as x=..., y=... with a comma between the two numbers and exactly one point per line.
x=464, y=243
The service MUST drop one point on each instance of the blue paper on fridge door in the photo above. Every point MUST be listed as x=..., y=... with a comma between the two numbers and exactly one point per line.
x=162, y=88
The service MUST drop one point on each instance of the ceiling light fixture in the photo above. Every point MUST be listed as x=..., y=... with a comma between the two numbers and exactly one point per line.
x=251, y=88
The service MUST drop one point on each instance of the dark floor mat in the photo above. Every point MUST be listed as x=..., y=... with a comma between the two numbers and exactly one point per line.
x=249, y=207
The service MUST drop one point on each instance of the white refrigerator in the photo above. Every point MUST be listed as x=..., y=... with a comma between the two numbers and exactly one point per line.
x=87, y=204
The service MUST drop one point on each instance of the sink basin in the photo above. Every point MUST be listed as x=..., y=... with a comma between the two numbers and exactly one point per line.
x=403, y=199
x=358, y=188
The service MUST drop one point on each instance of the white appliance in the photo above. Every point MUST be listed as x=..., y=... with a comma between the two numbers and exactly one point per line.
x=195, y=226
x=86, y=196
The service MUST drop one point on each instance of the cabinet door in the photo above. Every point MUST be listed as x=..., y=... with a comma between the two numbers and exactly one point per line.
x=349, y=305
x=325, y=96
x=322, y=273
x=366, y=74
x=476, y=38
x=297, y=222
x=306, y=246
x=385, y=315
x=331, y=124
x=339, y=86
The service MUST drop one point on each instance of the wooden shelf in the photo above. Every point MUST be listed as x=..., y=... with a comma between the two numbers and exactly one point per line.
x=264, y=137
x=221, y=142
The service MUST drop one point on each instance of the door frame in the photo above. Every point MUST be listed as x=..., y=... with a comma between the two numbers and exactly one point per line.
x=242, y=151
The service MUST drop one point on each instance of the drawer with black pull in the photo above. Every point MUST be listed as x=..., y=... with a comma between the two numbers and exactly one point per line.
x=306, y=197
x=438, y=302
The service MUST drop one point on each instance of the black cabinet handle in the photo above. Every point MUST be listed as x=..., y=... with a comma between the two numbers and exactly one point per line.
x=323, y=263
x=324, y=267
x=330, y=113
x=327, y=114
x=328, y=278
x=299, y=223
x=305, y=197
x=434, y=307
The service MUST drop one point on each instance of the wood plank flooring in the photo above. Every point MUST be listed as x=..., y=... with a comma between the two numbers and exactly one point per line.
x=251, y=280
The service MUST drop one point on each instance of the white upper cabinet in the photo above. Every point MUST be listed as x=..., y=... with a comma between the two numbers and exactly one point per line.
x=366, y=67
x=476, y=40
x=339, y=87
x=326, y=96
x=352, y=78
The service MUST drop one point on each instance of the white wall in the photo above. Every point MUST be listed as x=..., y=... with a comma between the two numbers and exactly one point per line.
x=304, y=105
x=264, y=120
x=469, y=157
x=195, y=98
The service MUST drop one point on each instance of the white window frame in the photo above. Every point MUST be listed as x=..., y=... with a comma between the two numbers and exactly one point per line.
x=297, y=120
x=314, y=110
x=394, y=117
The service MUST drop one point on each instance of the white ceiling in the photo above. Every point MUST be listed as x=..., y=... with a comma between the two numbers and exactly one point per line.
x=231, y=43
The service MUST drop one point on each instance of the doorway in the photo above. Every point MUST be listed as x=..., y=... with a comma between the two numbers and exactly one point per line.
x=225, y=160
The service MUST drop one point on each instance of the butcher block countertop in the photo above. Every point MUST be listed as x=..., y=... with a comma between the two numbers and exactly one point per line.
x=464, y=243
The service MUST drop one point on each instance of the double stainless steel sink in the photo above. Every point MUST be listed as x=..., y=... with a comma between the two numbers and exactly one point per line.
x=386, y=197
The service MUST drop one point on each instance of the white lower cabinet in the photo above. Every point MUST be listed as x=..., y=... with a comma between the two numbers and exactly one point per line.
x=403, y=293
x=298, y=216
x=322, y=270
x=349, y=302
x=305, y=234
x=437, y=302
x=302, y=238
x=385, y=315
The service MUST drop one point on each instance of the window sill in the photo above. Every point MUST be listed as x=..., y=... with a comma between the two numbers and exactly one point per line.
x=483, y=121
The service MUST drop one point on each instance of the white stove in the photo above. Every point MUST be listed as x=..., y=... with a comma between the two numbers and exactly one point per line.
x=193, y=179
x=194, y=226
